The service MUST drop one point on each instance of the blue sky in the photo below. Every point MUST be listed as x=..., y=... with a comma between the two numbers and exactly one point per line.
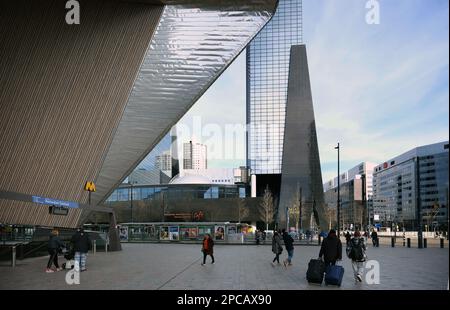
x=379, y=90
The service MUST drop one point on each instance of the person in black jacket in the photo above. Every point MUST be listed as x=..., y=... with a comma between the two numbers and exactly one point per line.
x=331, y=249
x=289, y=245
x=374, y=236
x=54, y=245
x=82, y=244
x=348, y=237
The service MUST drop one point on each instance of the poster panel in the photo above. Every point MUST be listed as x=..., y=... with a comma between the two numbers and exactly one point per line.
x=164, y=233
x=219, y=232
x=173, y=233
x=123, y=233
x=203, y=230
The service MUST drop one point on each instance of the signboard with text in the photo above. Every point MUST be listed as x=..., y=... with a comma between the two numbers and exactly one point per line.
x=55, y=202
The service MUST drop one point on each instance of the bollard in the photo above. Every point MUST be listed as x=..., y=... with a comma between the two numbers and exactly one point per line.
x=13, y=262
x=442, y=243
x=94, y=245
x=106, y=246
x=393, y=242
x=408, y=241
x=319, y=240
x=424, y=243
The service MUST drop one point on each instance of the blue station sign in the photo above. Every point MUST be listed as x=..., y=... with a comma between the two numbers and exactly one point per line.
x=55, y=202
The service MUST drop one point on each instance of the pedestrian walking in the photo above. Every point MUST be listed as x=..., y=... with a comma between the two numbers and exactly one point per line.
x=82, y=244
x=54, y=246
x=331, y=249
x=277, y=247
x=257, y=237
x=374, y=236
x=289, y=245
x=348, y=237
x=356, y=251
x=207, y=248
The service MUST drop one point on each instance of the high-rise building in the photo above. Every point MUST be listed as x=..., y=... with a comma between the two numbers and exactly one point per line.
x=164, y=161
x=413, y=184
x=267, y=83
x=356, y=191
x=194, y=156
x=282, y=151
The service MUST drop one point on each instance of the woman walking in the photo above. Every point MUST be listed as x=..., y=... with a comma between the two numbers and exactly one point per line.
x=276, y=247
x=207, y=248
x=54, y=244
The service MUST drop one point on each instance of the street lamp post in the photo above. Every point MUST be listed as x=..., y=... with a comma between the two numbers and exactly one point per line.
x=338, y=195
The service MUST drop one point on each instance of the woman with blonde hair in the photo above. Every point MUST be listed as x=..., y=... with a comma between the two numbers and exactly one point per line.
x=54, y=245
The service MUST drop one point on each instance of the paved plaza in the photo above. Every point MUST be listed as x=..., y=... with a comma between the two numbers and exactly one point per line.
x=238, y=267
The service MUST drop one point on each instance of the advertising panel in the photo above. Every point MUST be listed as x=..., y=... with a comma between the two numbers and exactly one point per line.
x=164, y=233
x=219, y=232
x=188, y=233
x=123, y=233
x=203, y=230
x=173, y=233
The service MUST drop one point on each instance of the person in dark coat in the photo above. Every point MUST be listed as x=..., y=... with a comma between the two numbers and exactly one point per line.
x=289, y=245
x=82, y=244
x=374, y=237
x=277, y=247
x=331, y=249
x=348, y=237
x=208, y=248
x=53, y=247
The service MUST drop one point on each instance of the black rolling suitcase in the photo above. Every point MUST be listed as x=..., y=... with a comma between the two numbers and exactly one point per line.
x=316, y=269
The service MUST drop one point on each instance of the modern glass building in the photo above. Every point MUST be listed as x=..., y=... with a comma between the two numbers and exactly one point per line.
x=282, y=150
x=267, y=83
x=177, y=191
x=417, y=179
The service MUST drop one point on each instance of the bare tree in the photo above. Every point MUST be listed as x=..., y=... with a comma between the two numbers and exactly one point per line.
x=294, y=209
x=242, y=209
x=266, y=207
x=331, y=213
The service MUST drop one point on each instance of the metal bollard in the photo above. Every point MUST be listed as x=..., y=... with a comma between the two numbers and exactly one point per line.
x=94, y=245
x=106, y=246
x=319, y=240
x=13, y=250
x=393, y=242
x=424, y=243
x=408, y=241
x=442, y=243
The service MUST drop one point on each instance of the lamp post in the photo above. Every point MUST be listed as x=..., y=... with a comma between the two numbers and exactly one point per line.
x=131, y=200
x=338, y=194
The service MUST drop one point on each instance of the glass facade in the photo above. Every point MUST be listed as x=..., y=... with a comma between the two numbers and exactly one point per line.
x=186, y=191
x=397, y=190
x=267, y=81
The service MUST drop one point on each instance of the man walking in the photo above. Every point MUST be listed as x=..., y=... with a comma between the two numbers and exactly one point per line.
x=82, y=244
x=356, y=251
x=331, y=249
x=289, y=245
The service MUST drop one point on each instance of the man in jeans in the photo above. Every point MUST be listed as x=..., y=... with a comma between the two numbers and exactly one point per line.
x=356, y=251
x=82, y=244
x=289, y=245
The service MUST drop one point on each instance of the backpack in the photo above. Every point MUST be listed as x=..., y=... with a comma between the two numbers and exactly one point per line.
x=356, y=251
